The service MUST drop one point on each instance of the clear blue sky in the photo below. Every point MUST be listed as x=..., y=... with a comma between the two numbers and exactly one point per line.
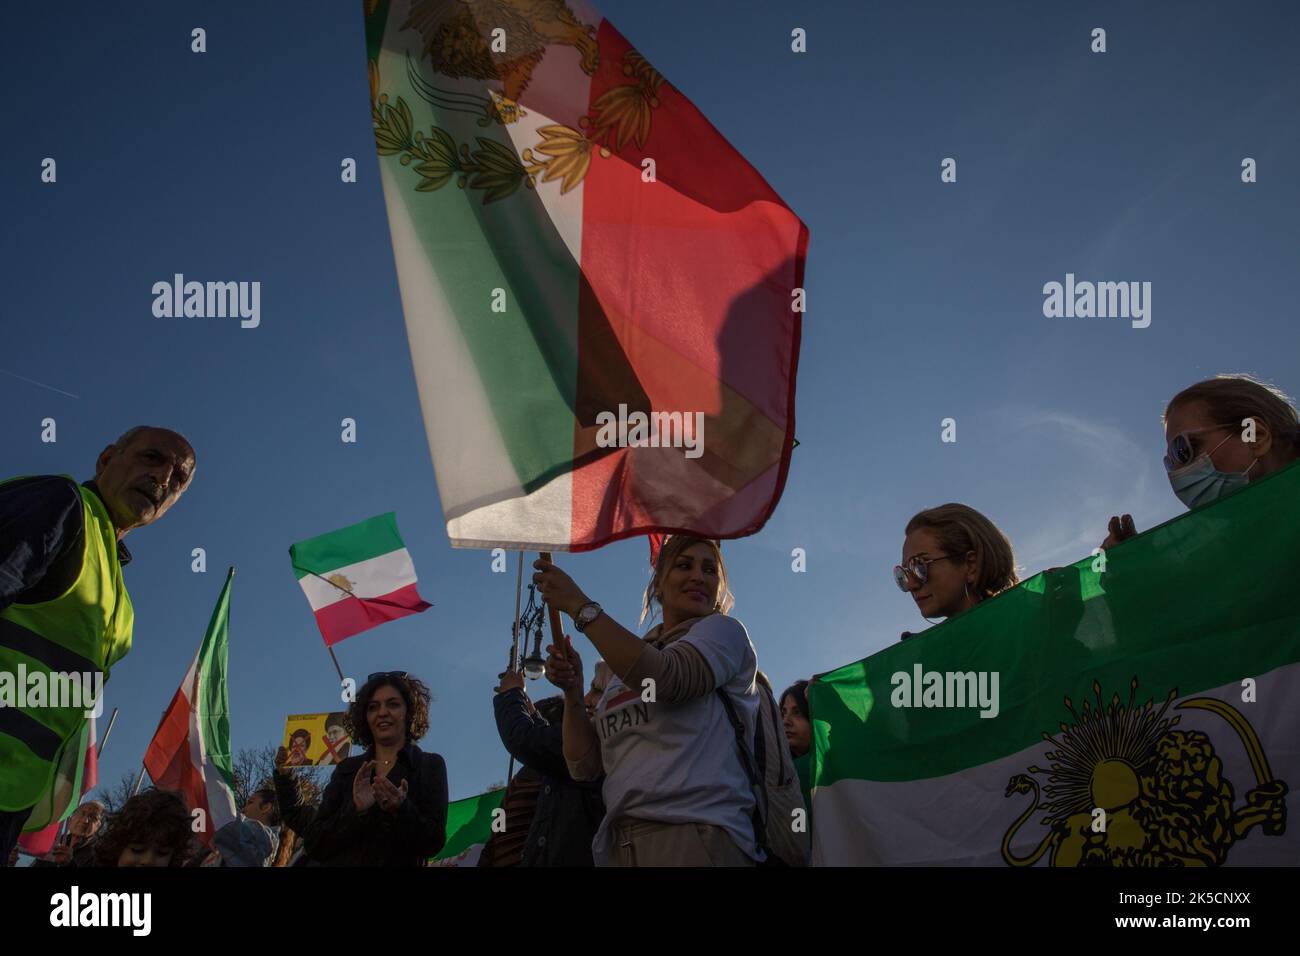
x=924, y=302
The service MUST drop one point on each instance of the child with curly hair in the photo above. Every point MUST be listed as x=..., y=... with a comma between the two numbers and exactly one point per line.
x=151, y=829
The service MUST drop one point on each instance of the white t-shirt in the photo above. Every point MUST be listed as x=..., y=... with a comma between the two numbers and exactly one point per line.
x=679, y=763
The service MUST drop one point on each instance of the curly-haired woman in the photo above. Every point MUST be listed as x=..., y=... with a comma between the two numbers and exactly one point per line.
x=151, y=829
x=388, y=806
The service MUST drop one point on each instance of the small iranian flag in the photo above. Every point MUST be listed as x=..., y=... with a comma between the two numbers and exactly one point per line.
x=469, y=825
x=190, y=751
x=602, y=296
x=357, y=577
x=1139, y=708
x=77, y=775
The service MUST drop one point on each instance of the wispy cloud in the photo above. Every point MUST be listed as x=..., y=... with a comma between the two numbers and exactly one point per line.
x=1098, y=471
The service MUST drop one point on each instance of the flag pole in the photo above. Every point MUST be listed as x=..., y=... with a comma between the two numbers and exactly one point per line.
x=336, y=663
x=519, y=587
x=553, y=613
x=112, y=719
x=514, y=650
x=140, y=779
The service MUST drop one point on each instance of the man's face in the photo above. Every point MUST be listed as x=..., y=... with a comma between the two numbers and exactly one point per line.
x=140, y=481
x=85, y=821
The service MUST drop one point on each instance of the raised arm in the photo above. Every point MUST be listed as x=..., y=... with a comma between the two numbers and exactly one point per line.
x=581, y=745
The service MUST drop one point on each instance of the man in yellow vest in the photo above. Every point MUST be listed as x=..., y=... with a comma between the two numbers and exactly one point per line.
x=65, y=615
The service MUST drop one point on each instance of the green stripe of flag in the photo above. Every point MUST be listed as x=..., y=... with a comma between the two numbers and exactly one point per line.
x=214, y=705
x=469, y=821
x=355, y=543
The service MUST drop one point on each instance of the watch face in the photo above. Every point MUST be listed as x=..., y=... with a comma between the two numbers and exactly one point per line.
x=589, y=613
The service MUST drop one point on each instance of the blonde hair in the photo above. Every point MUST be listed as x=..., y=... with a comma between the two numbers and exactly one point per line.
x=669, y=553
x=961, y=529
x=1232, y=398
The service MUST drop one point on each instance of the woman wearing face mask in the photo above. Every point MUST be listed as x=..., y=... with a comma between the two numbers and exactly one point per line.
x=954, y=558
x=676, y=792
x=1207, y=454
x=388, y=806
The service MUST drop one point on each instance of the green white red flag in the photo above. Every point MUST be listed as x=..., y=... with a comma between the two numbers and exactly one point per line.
x=1138, y=708
x=357, y=577
x=602, y=297
x=190, y=751
x=77, y=775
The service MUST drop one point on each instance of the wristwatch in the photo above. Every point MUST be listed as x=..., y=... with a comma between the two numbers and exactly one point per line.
x=586, y=614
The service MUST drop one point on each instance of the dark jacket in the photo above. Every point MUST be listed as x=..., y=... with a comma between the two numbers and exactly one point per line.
x=339, y=836
x=41, y=528
x=568, y=812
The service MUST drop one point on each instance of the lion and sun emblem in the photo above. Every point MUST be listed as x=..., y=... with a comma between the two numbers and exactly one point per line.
x=1165, y=798
x=456, y=40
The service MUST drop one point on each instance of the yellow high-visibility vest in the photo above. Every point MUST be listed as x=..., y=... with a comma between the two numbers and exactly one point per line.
x=84, y=630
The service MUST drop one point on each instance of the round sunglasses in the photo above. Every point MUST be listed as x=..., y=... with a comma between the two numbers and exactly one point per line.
x=1180, y=450
x=918, y=569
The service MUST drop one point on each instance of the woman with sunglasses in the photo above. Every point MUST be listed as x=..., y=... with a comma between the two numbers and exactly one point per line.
x=953, y=558
x=1209, y=450
x=388, y=806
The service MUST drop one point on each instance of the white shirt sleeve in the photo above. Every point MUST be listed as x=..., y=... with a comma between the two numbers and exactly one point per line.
x=724, y=644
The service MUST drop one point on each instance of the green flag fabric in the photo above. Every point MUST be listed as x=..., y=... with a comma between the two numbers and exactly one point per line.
x=1139, y=707
x=469, y=824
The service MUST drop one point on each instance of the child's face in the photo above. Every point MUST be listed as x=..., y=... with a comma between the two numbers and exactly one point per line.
x=144, y=854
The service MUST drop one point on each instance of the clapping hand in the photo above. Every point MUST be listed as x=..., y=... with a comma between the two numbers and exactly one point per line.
x=363, y=789
x=388, y=796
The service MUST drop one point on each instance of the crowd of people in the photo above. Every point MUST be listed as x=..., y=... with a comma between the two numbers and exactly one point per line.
x=676, y=753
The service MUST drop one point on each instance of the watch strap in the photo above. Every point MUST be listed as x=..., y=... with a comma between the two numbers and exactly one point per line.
x=580, y=620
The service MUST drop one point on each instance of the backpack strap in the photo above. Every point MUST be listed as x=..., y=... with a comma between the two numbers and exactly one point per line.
x=756, y=780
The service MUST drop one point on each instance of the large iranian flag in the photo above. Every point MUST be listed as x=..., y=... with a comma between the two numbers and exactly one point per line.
x=190, y=751
x=357, y=577
x=1147, y=711
x=602, y=297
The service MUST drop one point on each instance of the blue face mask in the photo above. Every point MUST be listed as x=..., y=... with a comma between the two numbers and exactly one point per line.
x=1199, y=482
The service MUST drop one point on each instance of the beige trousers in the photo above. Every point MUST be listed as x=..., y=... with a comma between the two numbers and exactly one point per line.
x=647, y=843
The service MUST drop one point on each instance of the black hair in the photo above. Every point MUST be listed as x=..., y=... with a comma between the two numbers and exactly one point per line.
x=157, y=817
x=415, y=695
x=798, y=691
